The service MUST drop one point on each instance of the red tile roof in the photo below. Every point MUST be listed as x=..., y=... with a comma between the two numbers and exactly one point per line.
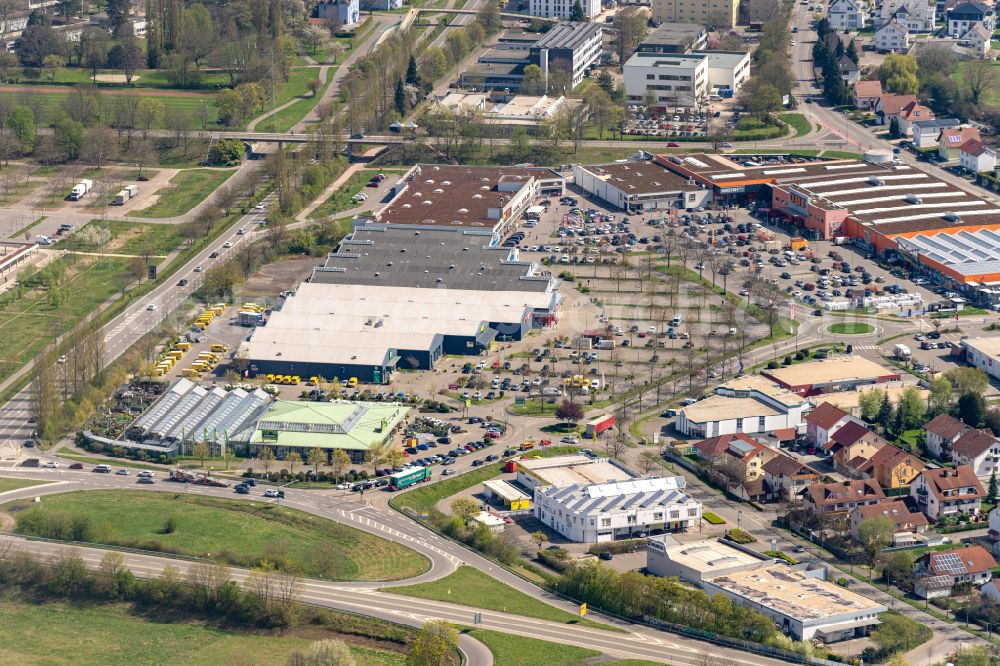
x=784, y=434
x=973, y=443
x=892, y=104
x=825, y=416
x=784, y=465
x=970, y=560
x=889, y=456
x=716, y=446
x=828, y=494
x=895, y=510
x=868, y=88
x=916, y=111
x=954, y=137
x=951, y=478
x=945, y=426
x=850, y=433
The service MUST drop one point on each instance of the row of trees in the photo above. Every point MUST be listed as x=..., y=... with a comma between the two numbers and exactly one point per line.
x=828, y=60
x=773, y=78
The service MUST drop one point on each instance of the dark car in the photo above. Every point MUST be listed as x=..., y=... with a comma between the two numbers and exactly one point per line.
x=249, y=482
x=478, y=463
x=182, y=282
x=33, y=462
x=214, y=255
x=76, y=466
x=444, y=440
x=29, y=443
x=145, y=479
x=605, y=555
x=241, y=490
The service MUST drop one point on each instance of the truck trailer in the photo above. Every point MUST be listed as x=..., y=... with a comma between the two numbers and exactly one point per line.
x=902, y=352
x=408, y=477
x=599, y=425
x=80, y=189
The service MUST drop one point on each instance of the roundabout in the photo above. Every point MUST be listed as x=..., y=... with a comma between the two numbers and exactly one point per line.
x=851, y=328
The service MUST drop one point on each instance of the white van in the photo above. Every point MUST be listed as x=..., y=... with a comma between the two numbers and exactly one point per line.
x=677, y=320
x=103, y=469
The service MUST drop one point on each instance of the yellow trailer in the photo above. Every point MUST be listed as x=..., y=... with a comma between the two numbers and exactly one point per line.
x=183, y=346
x=190, y=372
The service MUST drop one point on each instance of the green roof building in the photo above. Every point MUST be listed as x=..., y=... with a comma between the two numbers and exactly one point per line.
x=290, y=425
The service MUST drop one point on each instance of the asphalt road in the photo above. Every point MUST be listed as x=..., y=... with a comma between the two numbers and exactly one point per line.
x=363, y=597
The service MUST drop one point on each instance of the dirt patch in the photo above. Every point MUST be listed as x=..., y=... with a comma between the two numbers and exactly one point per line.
x=279, y=276
x=114, y=78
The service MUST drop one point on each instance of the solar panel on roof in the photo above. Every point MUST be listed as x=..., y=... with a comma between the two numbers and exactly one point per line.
x=652, y=498
x=632, y=500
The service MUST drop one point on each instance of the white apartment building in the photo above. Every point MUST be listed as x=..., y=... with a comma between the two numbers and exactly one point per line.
x=562, y=8
x=593, y=513
x=683, y=80
x=846, y=15
x=893, y=37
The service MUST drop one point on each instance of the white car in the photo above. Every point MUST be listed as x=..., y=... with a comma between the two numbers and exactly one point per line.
x=241, y=231
x=227, y=244
x=343, y=486
x=260, y=206
x=199, y=269
x=51, y=463
x=569, y=440
x=152, y=306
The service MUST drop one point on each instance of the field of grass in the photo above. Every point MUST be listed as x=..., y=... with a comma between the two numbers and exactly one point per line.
x=237, y=531
x=16, y=484
x=991, y=95
x=70, y=454
x=139, y=237
x=189, y=188
x=471, y=587
x=55, y=634
x=31, y=318
x=797, y=122
x=511, y=650
x=341, y=199
x=51, y=101
x=851, y=328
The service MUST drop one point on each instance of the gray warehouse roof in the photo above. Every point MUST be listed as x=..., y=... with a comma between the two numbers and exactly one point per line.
x=428, y=258
x=568, y=35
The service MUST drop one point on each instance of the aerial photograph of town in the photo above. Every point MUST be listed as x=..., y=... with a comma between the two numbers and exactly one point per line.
x=499, y=332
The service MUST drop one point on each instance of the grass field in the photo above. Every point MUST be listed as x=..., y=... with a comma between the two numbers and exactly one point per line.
x=240, y=532
x=991, y=95
x=51, y=101
x=31, y=318
x=851, y=328
x=189, y=188
x=127, y=238
x=511, y=650
x=65, y=452
x=471, y=587
x=57, y=634
x=797, y=122
x=16, y=484
x=341, y=199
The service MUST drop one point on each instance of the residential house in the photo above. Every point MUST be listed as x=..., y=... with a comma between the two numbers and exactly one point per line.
x=738, y=455
x=892, y=467
x=846, y=15
x=912, y=112
x=915, y=15
x=967, y=14
x=903, y=520
x=852, y=447
x=866, y=94
x=976, y=157
x=926, y=132
x=840, y=497
x=344, y=12
x=786, y=477
x=824, y=421
x=937, y=573
x=994, y=533
x=893, y=37
x=977, y=38
x=941, y=432
x=979, y=449
x=849, y=71
x=948, y=491
x=889, y=104
x=952, y=139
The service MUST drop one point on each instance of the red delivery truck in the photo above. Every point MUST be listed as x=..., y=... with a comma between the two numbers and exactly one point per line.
x=599, y=425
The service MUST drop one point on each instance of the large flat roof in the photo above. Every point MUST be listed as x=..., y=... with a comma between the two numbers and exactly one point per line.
x=764, y=386
x=329, y=425
x=430, y=259
x=574, y=469
x=709, y=556
x=594, y=499
x=569, y=35
x=793, y=595
x=721, y=407
x=987, y=346
x=829, y=371
x=674, y=34
x=640, y=177
x=357, y=324
x=458, y=196
x=850, y=400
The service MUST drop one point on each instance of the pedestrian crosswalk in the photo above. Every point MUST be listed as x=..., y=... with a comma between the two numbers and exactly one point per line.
x=871, y=347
